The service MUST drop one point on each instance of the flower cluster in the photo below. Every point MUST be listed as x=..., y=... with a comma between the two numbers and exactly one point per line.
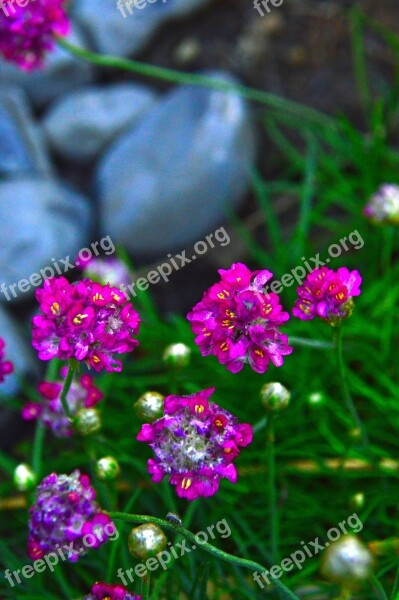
x=82, y=394
x=6, y=367
x=27, y=33
x=195, y=442
x=65, y=511
x=106, y=270
x=237, y=322
x=105, y=591
x=383, y=206
x=327, y=294
x=86, y=321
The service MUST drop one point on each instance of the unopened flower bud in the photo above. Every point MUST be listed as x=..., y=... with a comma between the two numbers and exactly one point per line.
x=383, y=206
x=316, y=398
x=357, y=500
x=24, y=478
x=87, y=421
x=177, y=356
x=149, y=407
x=274, y=396
x=146, y=541
x=347, y=562
x=107, y=468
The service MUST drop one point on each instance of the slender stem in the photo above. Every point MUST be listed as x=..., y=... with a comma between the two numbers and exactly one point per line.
x=37, y=452
x=145, y=589
x=272, y=488
x=298, y=341
x=301, y=112
x=344, y=385
x=395, y=591
x=65, y=390
x=220, y=554
x=378, y=588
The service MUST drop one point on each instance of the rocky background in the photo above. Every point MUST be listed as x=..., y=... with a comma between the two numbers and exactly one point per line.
x=88, y=152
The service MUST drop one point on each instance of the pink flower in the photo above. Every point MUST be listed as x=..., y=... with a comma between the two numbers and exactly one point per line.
x=195, y=443
x=28, y=33
x=383, y=206
x=239, y=323
x=86, y=321
x=6, y=367
x=105, y=591
x=82, y=394
x=327, y=294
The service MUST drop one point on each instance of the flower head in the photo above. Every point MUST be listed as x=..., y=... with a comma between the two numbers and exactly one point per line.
x=6, y=367
x=27, y=33
x=82, y=394
x=327, y=294
x=86, y=321
x=195, y=443
x=65, y=511
x=105, y=591
x=383, y=206
x=106, y=270
x=239, y=323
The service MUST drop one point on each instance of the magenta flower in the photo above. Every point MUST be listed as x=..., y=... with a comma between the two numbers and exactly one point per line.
x=86, y=321
x=105, y=591
x=28, y=33
x=383, y=206
x=327, y=294
x=239, y=323
x=82, y=394
x=195, y=443
x=6, y=366
x=66, y=516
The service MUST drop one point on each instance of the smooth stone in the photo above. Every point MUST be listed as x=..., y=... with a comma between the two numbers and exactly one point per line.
x=61, y=73
x=18, y=350
x=22, y=150
x=114, y=30
x=167, y=182
x=41, y=220
x=80, y=126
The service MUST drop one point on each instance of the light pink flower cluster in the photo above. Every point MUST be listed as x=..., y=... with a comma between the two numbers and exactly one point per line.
x=86, y=321
x=82, y=394
x=237, y=322
x=6, y=367
x=28, y=33
x=195, y=442
x=383, y=206
x=327, y=294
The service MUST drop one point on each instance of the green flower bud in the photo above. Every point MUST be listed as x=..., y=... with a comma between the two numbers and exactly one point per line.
x=107, y=468
x=146, y=541
x=275, y=397
x=177, y=356
x=149, y=407
x=24, y=478
x=87, y=421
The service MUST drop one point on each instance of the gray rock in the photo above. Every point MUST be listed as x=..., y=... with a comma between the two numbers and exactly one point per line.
x=21, y=149
x=165, y=183
x=62, y=73
x=80, y=126
x=113, y=30
x=18, y=350
x=41, y=220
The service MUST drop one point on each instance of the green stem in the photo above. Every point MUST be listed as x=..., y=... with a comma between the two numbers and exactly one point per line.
x=378, y=588
x=272, y=489
x=220, y=554
x=297, y=110
x=37, y=452
x=145, y=589
x=321, y=344
x=395, y=591
x=65, y=390
x=338, y=339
